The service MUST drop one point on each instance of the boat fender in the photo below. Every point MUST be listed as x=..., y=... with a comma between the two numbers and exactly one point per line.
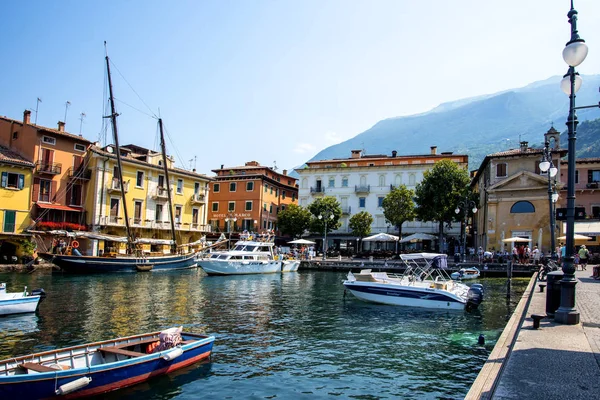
x=176, y=352
x=74, y=244
x=481, y=340
x=73, y=386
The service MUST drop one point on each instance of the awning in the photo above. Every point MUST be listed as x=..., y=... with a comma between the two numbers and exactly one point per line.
x=585, y=228
x=59, y=207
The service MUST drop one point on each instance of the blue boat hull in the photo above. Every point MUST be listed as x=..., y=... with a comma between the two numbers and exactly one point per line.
x=86, y=264
x=104, y=378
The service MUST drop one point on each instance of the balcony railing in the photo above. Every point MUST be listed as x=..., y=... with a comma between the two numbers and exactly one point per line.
x=317, y=190
x=592, y=185
x=362, y=188
x=80, y=173
x=346, y=210
x=198, y=198
x=48, y=168
x=160, y=193
x=115, y=186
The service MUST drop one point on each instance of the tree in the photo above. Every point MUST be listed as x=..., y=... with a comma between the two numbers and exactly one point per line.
x=361, y=224
x=399, y=207
x=294, y=220
x=438, y=194
x=325, y=207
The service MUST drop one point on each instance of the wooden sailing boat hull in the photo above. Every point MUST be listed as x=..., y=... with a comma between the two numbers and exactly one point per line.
x=87, y=264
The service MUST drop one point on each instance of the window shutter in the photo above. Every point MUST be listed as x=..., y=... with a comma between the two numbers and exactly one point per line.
x=21, y=181
x=77, y=162
x=35, y=193
x=53, y=190
x=69, y=195
x=4, y=179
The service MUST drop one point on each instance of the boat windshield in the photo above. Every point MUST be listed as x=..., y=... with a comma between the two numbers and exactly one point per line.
x=241, y=247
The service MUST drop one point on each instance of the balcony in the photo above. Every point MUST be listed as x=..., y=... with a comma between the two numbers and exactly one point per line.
x=48, y=168
x=362, y=189
x=160, y=193
x=592, y=185
x=200, y=228
x=80, y=173
x=198, y=198
x=112, y=220
x=115, y=186
x=346, y=210
x=317, y=190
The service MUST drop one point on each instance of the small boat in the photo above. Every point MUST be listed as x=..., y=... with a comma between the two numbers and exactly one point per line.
x=425, y=283
x=249, y=256
x=19, y=302
x=466, y=273
x=100, y=367
x=290, y=265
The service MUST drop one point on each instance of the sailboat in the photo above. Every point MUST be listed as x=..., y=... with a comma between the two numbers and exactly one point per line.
x=135, y=259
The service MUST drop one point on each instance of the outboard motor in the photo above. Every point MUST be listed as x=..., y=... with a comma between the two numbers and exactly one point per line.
x=38, y=292
x=474, y=296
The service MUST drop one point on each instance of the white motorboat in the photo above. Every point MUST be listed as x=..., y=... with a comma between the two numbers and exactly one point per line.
x=247, y=257
x=290, y=265
x=466, y=273
x=424, y=283
x=17, y=303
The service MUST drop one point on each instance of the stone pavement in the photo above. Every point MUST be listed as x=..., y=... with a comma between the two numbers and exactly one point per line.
x=556, y=361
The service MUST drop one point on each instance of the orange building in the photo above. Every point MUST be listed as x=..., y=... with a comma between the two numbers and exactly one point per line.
x=59, y=175
x=249, y=197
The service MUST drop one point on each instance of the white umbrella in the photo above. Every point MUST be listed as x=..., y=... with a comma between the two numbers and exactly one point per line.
x=381, y=237
x=301, y=241
x=576, y=236
x=418, y=236
x=516, y=239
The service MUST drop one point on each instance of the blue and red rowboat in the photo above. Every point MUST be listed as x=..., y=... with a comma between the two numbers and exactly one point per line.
x=96, y=368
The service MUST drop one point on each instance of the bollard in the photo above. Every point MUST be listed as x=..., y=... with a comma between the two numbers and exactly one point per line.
x=553, y=293
x=542, y=286
x=536, y=320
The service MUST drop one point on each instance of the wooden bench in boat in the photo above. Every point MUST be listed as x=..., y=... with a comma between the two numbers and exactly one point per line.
x=36, y=367
x=119, y=349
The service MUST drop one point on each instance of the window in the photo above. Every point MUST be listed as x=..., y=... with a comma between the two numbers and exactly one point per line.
x=265, y=207
x=248, y=205
x=139, y=179
x=79, y=147
x=216, y=187
x=293, y=196
x=159, y=212
x=232, y=187
x=344, y=182
x=264, y=224
x=271, y=190
x=283, y=194
x=593, y=176
x=77, y=163
x=196, y=187
x=161, y=181
x=362, y=201
x=15, y=135
x=412, y=179
x=266, y=188
x=249, y=186
x=381, y=180
x=45, y=189
x=271, y=209
x=10, y=218
x=576, y=176
x=179, y=186
x=48, y=140
x=304, y=183
x=74, y=195
x=277, y=192
x=215, y=206
x=521, y=207
x=331, y=182
x=231, y=206
x=380, y=201
x=13, y=181
x=137, y=212
x=194, y=215
x=114, y=210
x=501, y=170
x=177, y=214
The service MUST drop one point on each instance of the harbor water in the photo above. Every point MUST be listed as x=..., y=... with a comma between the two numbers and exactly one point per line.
x=295, y=335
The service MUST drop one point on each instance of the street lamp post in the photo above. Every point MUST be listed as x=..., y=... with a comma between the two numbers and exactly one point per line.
x=465, y=205
x=547, y=166
x=325, y=216
x=228, y=220
x=574, y=54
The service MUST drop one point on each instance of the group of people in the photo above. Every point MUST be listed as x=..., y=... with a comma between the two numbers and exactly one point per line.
x=523, y=254
x=580, y=257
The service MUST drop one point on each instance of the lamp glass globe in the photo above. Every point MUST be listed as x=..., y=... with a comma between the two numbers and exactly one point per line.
x=552, y=171
x=457, y=210
x=544, y=165
x=565, y=84
x=575, y=53
x=474, y=210
x=554, y=197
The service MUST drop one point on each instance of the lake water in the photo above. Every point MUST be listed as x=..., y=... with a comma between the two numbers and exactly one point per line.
x=277, y=336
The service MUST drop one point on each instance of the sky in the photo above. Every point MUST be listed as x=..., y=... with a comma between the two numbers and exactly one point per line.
x=271, y=81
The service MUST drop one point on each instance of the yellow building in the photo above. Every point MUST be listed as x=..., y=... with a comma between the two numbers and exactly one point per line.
x=146, y=199
x=15, y=195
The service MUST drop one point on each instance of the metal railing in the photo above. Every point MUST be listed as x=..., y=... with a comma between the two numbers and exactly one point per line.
x=362, y=188
x=346, y=210
x=48, y=168
x=198, y=198
x=317, y=189
x=116, y=186
x=80, y=173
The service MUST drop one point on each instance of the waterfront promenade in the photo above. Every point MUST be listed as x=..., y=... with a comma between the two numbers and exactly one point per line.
x=553, y=362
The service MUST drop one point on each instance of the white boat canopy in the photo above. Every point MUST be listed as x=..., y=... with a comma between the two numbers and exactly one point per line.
x=301, y=241
x=418, y=236
x=381, y=237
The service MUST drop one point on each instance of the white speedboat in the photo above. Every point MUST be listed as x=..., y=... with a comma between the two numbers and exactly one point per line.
x=424, y=283
x=290, y=265
x=247, y=257
x=17, y=303
x=466, y=273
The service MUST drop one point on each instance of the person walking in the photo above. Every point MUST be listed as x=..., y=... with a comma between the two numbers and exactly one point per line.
x=584, y=255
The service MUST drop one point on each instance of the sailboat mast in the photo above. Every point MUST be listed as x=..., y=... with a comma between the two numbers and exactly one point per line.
x=113, y=117
x=164, y=157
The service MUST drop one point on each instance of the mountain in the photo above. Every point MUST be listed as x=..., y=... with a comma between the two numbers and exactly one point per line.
x=482, y=125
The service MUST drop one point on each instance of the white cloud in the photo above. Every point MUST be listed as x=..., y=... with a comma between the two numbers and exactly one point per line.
x=303, y=148
x=332, y=138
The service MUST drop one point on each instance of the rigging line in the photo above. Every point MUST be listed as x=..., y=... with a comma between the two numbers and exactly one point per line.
x=131, y=87
x=136, y=109
x=175, y=148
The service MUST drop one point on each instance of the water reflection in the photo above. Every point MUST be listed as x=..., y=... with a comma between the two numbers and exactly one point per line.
x=296, y=328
